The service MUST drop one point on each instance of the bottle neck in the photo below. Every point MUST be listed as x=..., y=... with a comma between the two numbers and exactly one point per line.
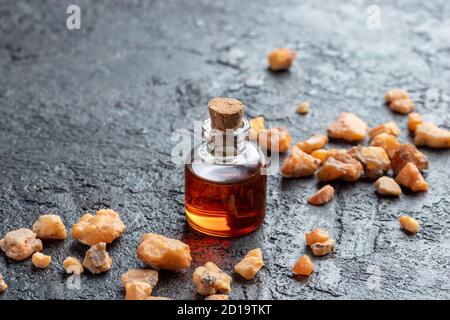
x=225, y=147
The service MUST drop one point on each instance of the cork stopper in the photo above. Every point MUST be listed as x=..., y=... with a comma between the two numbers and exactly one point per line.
x=225, y=113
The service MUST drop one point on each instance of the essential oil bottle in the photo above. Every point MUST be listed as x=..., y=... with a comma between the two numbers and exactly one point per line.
x=225, y=180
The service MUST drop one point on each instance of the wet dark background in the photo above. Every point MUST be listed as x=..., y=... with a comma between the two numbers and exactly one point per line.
x=86, y=118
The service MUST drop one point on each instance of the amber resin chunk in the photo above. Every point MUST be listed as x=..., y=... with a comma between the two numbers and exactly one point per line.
x=140, y=275
x=323, y=154
x=409, y=224
x=137, y=291
x=406, y=153
x=322, y=196
x=316, y=142
x=374, y=160
x=20, y=244
x=299, y=164
x=73, y=265
x=105, y=226
x=249, y=266
x=428, y=134
x=386, y=141
x=316, y=235
x=398, y=100
x=3, y=285
x=411, y=177
x=303, y=266
x=256, y=125
x=280, y=59
x=340, y=165
x=322, y=248
x=160, y=252
x=274, y=139
x=210, y=279
x=388, y=187
x=402, y=106
x=97, y=260
x=414, y=119
x=320, y=154
x=389, y=128
x=303, y=108
x=320, y=242
x=395, y=94
x=40, y=260
x=50, y=226
x=218, y=297
x=348, y=127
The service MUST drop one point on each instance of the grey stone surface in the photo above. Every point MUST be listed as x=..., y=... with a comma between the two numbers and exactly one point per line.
x=86, y=118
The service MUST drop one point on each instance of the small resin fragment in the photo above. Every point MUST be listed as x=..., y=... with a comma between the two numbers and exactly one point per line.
x=303, y=266
x=402, y=106
x=299, y=164
x=137, y=291
x=218, y=297
x=409, y=224
x=105, y=226
x=398, y=100
x=3, y=285
x=319, y=241
x=20, y=244
x=374, y=160
x=274, y=139
x=322, y=196
x=348, y=127
x=395, y=94
x=303, y=108
x=320, y=154
x=323, y=154
x=210, y=279
x=411, y=177
x=388, y=187
x=414, y=119
x=160, y=252
x=73, y=265
x=316, y=142
x=281, y=59
x=316, y=235
x=340, y=165
x=428, y=134
x=97, y=260
x=40, y=260
x=140, y=275
x=50, y=226
x=389, y=128
x=406, y=153
x=386, y=141
x=256, y=125
x=322, y=248
x=249, y=266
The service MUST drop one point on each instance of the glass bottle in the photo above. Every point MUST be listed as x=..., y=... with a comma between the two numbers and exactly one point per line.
x=225, y=183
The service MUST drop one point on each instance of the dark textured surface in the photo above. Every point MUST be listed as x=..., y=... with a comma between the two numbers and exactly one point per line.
x=86, y=118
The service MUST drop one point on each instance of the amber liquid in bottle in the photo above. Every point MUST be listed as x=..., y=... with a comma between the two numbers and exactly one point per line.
x=226, y=200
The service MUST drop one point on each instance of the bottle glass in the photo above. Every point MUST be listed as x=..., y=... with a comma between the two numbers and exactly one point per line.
x=225, y=183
